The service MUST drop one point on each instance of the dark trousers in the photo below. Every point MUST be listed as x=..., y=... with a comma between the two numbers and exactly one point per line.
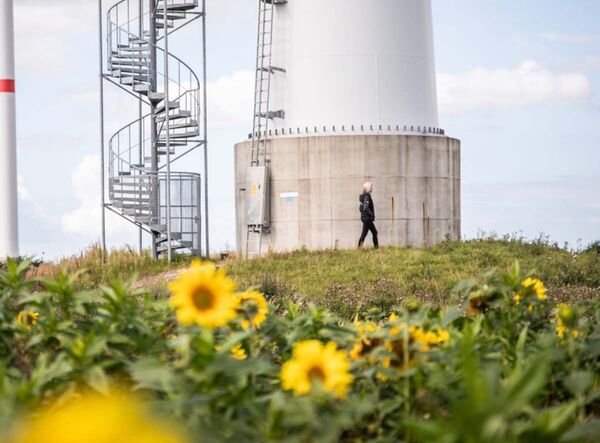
x=368, y=226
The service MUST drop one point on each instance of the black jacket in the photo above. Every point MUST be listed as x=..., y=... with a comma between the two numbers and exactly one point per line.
x=367, y=209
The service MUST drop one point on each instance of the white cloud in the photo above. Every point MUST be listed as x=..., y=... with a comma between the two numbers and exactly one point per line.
x=569, y=38
x=85, y=181
x=84, y=221
x=230, y=99
x=47, y=32
x=591, y=63
x=529, y=84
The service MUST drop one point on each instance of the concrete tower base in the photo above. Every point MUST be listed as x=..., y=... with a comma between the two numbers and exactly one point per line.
x=316, y=181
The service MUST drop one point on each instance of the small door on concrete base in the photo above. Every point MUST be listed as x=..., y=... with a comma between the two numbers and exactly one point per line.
x=257, y=197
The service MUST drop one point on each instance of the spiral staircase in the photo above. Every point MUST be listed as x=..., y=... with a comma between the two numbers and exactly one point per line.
x=142, y=187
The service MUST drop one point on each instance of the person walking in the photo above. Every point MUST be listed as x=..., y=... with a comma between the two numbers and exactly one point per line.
x=367, y=215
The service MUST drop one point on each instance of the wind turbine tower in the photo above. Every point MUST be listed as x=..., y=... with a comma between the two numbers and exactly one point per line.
x=9, y=235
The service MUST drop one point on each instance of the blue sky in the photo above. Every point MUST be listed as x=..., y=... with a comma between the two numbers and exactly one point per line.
x=518, y=84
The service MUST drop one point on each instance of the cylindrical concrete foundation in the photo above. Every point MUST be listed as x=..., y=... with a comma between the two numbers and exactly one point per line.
x=315, y=183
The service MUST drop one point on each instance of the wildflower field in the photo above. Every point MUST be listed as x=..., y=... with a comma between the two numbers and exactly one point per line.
x=216, y=361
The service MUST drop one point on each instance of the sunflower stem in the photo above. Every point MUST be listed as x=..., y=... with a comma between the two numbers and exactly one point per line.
x=405, y=365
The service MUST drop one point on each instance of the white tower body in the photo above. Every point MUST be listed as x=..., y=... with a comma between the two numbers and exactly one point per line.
x=9, y=244
x=354, y=63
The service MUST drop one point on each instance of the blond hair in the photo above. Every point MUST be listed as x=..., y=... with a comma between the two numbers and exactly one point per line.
x=368, y=187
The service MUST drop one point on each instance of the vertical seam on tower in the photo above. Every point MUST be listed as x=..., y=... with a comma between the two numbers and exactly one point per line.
x=331, y=197
x=377, y=88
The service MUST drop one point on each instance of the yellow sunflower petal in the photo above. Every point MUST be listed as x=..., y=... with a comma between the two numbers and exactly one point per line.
x=97, y=419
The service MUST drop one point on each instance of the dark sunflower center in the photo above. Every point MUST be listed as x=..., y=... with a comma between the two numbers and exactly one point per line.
x=203, y=299
x=251, y=308
x=398, y=346
x=369, y=344
x=316, y=372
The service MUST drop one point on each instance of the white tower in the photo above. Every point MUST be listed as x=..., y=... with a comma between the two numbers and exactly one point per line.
x=354, y=62
x=345, y=94
x=9, y=235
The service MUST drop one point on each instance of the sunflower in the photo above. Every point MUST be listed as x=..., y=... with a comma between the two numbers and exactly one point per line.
x=365, y=343
x=567, y=314
x=537, y=286
x=397, y=348
x=562, y=330
x=418, y=340
x=253, y=307
x=435, y=338
x=98, y=419
x=476, y=303
x=28, y=318
x=238, y=352
x=566, y=320
x=517, y=298
x=313, y=361
x=204, y=295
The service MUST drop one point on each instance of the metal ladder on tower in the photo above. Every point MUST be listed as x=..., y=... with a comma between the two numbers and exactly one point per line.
x=142, y=187
x=262, y=112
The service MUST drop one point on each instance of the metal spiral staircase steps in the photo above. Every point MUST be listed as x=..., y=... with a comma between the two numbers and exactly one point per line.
x=138, y=153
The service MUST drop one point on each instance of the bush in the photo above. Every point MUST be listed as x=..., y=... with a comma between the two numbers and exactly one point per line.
x=594, y=247
x=507, y=365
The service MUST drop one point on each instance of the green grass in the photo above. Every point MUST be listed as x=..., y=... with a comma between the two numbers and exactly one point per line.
x=346, y=281
x=121, y=264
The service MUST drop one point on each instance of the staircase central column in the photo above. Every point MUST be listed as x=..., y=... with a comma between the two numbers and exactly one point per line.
x=154, y=196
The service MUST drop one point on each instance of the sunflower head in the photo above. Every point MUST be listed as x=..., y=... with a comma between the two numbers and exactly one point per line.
x=93, y=418
x=567, y=314
x=535, y=286
x=400, y=347
x=366, y=341
x=564, y=331
x=566, y=321
x=437, y=337
x=403, y=347
x=238, y=352
x=253, y=308
x=204, y=295
x=314, y=363
x=561, y=329
x=476, y=303
x=27, y=318
x=517, y=298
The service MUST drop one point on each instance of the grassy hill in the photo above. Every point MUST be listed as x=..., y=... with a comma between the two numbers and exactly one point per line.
x=346, y=281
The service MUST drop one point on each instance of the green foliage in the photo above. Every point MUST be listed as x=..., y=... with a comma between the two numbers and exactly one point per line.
x=504, y=375
x=350, y=280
